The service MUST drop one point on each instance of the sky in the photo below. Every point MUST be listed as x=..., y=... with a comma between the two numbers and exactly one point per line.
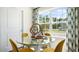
x=58, y=13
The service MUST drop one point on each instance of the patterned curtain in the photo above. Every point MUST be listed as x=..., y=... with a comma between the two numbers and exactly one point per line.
x=73, y=29
x=35, y=15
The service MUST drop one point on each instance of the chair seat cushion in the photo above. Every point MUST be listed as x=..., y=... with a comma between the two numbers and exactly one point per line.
x=25, y=50
x=49, y=50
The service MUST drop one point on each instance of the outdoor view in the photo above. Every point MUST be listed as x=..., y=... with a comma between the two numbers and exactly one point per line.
x=54, y=21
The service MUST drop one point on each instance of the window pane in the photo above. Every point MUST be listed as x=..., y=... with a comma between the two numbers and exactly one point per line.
x=45, y=26
x=47, y=19
x=44, y=17
x=40, y=19
x=59, y=14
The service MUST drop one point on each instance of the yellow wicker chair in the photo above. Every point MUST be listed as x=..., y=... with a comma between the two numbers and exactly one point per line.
x=24, y=35
x=16, y=49
x=58, y=48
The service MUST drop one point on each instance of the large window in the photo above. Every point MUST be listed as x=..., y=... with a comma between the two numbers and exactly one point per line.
x=53, y=19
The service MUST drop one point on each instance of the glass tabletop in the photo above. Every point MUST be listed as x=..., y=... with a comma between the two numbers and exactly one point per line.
x=37, y=47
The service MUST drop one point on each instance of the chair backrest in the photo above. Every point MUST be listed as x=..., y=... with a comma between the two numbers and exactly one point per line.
x=24, y=35
x=59, y=47
x=13, y=44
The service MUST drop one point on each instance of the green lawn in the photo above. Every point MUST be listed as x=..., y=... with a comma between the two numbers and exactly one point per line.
x=55, y=31
x=58, y=31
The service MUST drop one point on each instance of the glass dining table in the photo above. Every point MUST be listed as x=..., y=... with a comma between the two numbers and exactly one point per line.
x=38, y=46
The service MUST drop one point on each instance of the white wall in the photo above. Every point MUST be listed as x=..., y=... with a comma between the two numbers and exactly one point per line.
x=10, y=25
x=3, y=28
